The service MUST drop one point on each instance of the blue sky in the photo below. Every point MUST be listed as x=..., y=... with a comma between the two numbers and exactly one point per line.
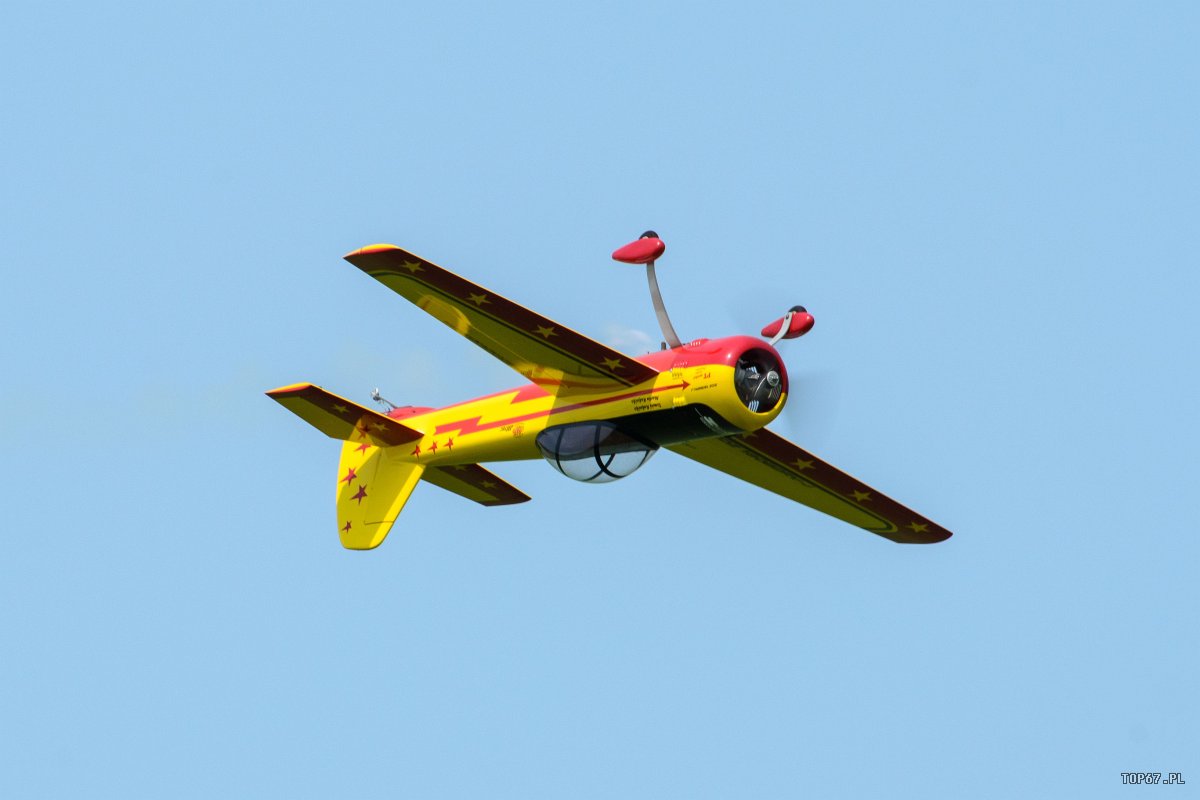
x=989, y=208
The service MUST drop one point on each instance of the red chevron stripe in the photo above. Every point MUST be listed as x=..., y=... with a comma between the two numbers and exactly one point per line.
x=471, y=425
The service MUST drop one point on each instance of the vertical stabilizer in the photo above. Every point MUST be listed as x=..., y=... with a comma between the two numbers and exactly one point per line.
x=373, y=486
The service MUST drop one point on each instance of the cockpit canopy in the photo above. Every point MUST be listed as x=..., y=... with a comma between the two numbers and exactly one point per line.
x=594, y=452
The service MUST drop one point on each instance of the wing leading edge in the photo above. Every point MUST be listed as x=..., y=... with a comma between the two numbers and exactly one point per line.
x=545, y=352
x=777, y=465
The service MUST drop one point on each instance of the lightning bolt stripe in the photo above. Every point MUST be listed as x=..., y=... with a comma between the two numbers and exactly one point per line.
x=467, y=426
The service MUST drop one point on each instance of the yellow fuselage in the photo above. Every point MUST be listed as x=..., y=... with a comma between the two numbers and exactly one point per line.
x=693, y=396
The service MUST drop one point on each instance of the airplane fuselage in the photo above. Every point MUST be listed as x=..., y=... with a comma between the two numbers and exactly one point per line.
x=594, y=413
x=693, y=396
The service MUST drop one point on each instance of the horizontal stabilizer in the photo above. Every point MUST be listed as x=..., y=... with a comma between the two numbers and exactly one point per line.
x=340, y=418
x=475, y=483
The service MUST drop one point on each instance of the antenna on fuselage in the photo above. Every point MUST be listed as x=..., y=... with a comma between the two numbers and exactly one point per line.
x=388, y=405
x=646, y=250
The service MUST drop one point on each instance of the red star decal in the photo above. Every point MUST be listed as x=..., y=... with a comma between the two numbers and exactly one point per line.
x=449, y=444
x=364, y=447
x=416, y=451
x=350, y=475
x=362, y=492
x=433, y=447
x=362, y=431
x=347, y=528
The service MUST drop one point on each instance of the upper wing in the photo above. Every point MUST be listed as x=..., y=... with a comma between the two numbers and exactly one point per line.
x=542, y=350
x=775, y=464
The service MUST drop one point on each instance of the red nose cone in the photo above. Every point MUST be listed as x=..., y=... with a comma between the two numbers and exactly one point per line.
x=802, y=323
x=643, y=251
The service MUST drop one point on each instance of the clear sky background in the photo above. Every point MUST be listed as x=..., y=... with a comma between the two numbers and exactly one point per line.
x=991, y=209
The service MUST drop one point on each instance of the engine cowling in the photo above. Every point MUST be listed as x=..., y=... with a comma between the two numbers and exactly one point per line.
x=710, y=387
x=758, y=377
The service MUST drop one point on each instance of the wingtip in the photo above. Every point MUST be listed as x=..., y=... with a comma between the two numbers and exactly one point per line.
x=291, y=388
x=370, y=249
x=937, y=537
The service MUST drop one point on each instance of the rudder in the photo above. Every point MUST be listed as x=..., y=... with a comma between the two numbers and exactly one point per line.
x=373, y=486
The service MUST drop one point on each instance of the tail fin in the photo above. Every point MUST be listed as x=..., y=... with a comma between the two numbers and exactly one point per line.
x=373, y=486
x=374, y=481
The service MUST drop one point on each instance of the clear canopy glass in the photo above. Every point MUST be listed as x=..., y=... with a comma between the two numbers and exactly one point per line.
x=594, y=452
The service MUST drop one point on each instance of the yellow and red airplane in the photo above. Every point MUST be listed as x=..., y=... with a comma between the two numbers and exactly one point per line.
x=594, y=413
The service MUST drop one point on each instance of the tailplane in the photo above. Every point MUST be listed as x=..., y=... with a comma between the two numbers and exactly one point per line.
x=375, y=477
x=374, y=481
x=340, y=418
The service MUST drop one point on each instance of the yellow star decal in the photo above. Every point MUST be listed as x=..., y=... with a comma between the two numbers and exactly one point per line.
x=545, y=331
x=800, y=464
x=611, y=363
x=412, y=266
x=339, y=408
x=478, y=299
x=488, y=485
x=861, y=497
x=917, y=527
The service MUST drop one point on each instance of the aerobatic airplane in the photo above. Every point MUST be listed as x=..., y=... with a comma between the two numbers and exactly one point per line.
x=594, y=413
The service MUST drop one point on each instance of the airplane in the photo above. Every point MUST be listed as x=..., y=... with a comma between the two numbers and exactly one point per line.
x=595, y=414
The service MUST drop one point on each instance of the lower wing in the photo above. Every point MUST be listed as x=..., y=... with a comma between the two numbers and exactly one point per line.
x=777, y=465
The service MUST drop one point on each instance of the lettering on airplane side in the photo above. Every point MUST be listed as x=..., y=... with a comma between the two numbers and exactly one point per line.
x=646, y=403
